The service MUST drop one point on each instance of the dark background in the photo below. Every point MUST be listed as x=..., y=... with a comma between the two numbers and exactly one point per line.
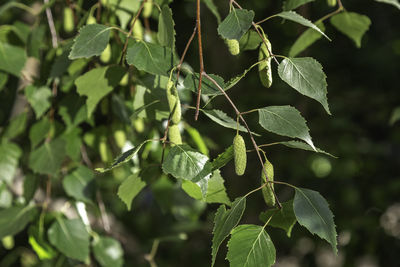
x=362, y=184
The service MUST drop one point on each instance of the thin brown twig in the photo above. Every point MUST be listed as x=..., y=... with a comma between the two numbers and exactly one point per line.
x=50, y=20
x=98, y=13
x=185, y=51
x=198, y=22
x=130, y=32
x=103, y=213
x=248, y=130
x=164, y=139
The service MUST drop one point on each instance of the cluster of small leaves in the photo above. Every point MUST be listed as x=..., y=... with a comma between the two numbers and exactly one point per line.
x=85, y=100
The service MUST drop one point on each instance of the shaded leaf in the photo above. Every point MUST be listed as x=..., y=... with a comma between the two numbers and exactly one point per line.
x=91, y=41
x=250, y=41
x=304, y=146
x=9, y=156
x=38, y=131
x=79, y=184
x=223, y=158
x=395, y=116
x=390, y=2
x=73, y=110
x=13, y=220
x=124, y=157
x=17, y=126
x=236, y=24
x=353, y=25
x=306, y=76
x=108, y=251
x=283, y=218
x=47, y=158
x=213, y=8
x=250, y=246
x=306, y=39
x=129, y=189
x=312, y=211
x=166, y=31
x=70, y=238
x=286, y=121
x=151, y=58
x=3, y=79
x=293, y=16
x=224, y=120
x=292, y=4
x=38, y=98
x=97, y=83
x=224, y=222
x=12, y=58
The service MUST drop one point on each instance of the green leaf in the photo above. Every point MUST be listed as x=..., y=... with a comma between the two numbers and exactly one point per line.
x=124, y=157
x=197, y=139
x=13, y=220
x=390, y=2
x=223, y=158
x=250, y=246
x=9, y=156
x=39, y=131
x=151, y=58
x=166, y=32
x=47, y=158
x=207, y=87
x=12, y=58
x=293, y=16
x=108, y=251
x=213, y=8
x=236, y=24
x=91, y=41
x=306, y=39
x=129, y=189
x=17, y=126
x=79, y=184
x=353, y=25
x=312, y=212
x=73, y=143
x=283, y=218
x=216, y=192
x=250, y=41
x=306, y=76
x=224, y=222
x=304, y=146
x=6, y=196
x=286, y=121
x=97, y=83
x=3, y=79
x=232, y=82
x=292, y=4
x=70, y=238
x=183, y=162
x=38, y=98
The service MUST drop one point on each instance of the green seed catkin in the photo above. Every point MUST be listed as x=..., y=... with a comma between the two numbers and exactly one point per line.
x=174, y=135
x=239, y=154
x=233, y=46
x=264, y=68
x=267, y=192
x=331, y=2
x=147, y=9
x=105, y=56
x=137, y=32
x=91, y=20
x=68, y=20
x=174, y=102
